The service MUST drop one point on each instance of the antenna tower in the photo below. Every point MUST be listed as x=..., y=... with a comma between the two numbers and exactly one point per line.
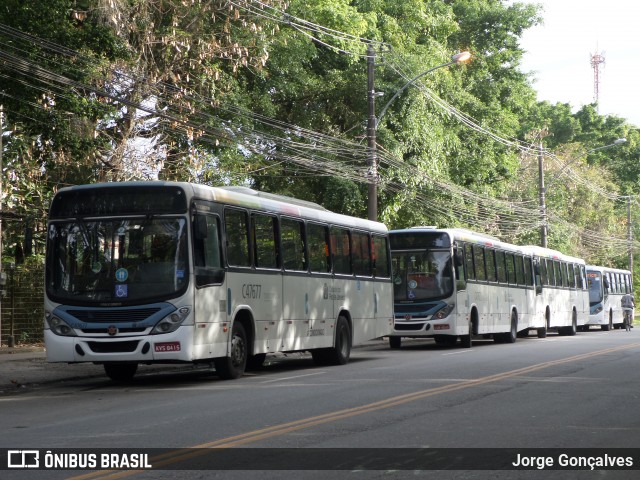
x=597, y=59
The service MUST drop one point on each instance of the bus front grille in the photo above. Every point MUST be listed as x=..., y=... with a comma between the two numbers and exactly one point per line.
x=114, y=315
x=113, y=347
x=408, y=326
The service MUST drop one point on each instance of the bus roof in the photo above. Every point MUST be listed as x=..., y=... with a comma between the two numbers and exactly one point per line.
x=463, y=235
x=599, y=268
x=245, y=197
x=549, y=253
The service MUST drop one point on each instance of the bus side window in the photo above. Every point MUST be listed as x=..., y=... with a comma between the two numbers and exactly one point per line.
x=381, y=268
x=206, y=250
x=293, y=245
x=478, y=261
x=511, y=268
x=237, y=234
x=490, y=260
x=317, y=241
x=542, y=271
x=458, y=257
x=538, y=263
x=264, y=241
x=502, y=266
x=528, y=272
x=572, y=276
x=361, y=254
x=519, y=269
x=469, y=269
x=341, y=250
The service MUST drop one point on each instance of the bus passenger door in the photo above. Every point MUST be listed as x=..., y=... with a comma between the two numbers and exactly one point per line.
x=210, y=298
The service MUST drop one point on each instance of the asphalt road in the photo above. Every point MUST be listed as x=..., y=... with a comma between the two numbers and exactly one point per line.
x=557, y=394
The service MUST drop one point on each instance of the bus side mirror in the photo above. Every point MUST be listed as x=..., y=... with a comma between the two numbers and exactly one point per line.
x=200, y=227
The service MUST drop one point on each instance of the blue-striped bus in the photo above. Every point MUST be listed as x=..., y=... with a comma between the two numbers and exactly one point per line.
x=164, y=272
x=455, y=283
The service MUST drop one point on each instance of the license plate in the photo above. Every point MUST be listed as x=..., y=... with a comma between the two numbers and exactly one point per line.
x=167, y=347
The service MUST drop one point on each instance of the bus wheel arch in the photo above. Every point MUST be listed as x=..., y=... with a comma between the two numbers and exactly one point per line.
x=512, y=334
x=467, y=340
x=547, y=317
x=242, y=335
x=608, y=326
x=573, y=328
x=342, y=341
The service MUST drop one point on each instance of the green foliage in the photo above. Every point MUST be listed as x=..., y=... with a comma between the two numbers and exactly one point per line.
x=217, y=70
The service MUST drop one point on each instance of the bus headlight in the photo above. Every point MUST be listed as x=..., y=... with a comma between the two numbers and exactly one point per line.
x=171, y=322
x=443, y=312
x=59, y=326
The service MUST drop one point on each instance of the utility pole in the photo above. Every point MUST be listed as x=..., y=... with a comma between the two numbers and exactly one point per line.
x=1, y=175
x=372, y=205
x=629, y=235
x=542, y=193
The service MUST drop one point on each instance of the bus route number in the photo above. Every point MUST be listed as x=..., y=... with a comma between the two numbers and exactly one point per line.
x=251, y=290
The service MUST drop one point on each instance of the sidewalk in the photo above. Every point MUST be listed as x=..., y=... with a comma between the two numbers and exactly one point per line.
x=26, y=366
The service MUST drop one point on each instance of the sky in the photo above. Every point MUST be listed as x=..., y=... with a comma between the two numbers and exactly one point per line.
x=558, y=54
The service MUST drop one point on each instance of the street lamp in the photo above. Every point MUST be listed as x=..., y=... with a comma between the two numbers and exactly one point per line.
x=374, y=121
x=544, y=230
x=456, y=59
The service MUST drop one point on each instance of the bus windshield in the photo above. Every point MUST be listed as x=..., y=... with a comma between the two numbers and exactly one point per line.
x=116, y=260
x=595, y=287
x=422, y=275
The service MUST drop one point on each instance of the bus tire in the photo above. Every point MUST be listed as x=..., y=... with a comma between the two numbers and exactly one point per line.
x=120, y=372
x=395, y=342
x=233, y=366
x=467, y=340
x=341, y=351
x=542, y=332
x=512, y=335
x=570, y=331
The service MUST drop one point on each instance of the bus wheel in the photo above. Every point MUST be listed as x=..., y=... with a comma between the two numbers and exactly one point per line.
x=395, y=342
x=338, y=354
x=573, y=329
x=512, y=335
x=233, y=366
x=466, y=340
x=542, y=332
x=120, y=372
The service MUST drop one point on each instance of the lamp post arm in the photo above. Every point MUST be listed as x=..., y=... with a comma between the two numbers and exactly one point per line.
x=384, y=109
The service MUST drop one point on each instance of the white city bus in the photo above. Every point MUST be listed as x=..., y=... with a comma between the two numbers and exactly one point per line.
x=451, y=283
x=562, y=300
x=165, y=272
x=606, y=288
